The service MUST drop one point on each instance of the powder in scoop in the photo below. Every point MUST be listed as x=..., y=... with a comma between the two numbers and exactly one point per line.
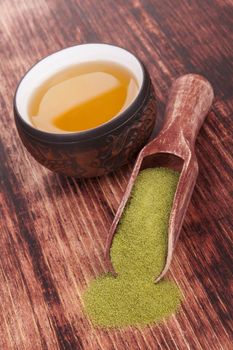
x=138, y=255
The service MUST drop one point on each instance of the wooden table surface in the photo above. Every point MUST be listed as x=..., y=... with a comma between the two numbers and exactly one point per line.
x=53, y=228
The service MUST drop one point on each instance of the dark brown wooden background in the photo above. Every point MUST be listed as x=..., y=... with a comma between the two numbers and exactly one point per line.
x=53, y=228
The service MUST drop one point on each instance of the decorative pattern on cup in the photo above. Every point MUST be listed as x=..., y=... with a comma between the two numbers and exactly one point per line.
x=100, y=156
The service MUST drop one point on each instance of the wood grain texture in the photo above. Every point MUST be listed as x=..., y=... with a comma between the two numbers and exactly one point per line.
x=53, y=228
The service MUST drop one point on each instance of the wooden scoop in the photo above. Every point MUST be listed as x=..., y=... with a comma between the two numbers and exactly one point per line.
x=189, y=101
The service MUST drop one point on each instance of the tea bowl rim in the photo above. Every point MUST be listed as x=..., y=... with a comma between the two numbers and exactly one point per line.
x=92, y=133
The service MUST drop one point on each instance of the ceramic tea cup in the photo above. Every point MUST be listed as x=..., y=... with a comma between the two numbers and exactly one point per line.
x=96, y=151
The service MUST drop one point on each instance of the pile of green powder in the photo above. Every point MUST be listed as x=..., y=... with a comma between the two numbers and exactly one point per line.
x=138, y=254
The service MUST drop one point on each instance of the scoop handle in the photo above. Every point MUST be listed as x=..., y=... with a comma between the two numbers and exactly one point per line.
x=189, y=101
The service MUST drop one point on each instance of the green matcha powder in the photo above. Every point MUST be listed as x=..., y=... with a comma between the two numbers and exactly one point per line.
x=138, y=255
